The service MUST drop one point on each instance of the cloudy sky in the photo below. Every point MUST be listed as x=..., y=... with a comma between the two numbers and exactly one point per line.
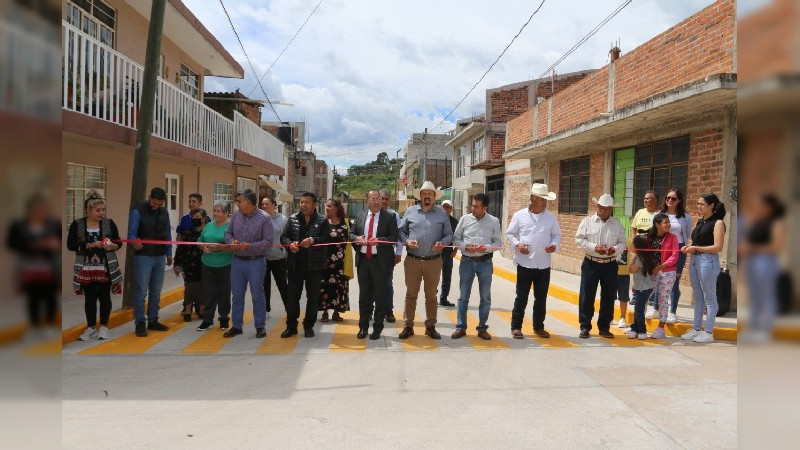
x=364, y=74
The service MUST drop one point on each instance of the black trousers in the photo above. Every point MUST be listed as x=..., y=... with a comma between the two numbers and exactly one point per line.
x=540, y=279
x=371, y=284
x=277, y=267
x=93, y=292
x=217, y=287
x=42, y=296
x=593, y=273
x=311, y=279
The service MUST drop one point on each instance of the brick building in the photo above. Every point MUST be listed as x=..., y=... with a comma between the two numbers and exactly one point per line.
x=226, y=103
x=662, y=115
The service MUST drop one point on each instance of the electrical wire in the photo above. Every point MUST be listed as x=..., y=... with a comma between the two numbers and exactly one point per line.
x=490, y=67
x=287, y=46
x=250, y=63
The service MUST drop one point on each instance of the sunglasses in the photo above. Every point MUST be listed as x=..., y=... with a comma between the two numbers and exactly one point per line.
x=672, y=198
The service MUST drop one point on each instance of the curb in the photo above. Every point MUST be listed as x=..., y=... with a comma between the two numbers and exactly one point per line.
x=671, y=329
x=120, y=316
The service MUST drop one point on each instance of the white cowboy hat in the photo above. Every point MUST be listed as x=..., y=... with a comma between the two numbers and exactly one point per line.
x=605, y=200
x=448, y=203
x=428, y=186
x=541, y=190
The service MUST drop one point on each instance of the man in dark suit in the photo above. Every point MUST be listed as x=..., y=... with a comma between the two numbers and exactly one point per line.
x=374, y=262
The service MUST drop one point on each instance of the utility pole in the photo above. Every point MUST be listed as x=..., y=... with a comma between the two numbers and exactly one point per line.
x=425, y=158
x=141, y=156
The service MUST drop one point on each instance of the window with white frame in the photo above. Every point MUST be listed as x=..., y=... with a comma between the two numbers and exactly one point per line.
x=94, y=17
x=246, y=183
x=462, y=162
x=80, y=180
x=224, y=192
x=478, y=150
x=189, y=82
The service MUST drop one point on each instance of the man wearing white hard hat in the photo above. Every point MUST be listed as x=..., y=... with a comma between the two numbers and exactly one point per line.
x=448, y=253
x=602, y=238
x=425, y=229
x=534, y=234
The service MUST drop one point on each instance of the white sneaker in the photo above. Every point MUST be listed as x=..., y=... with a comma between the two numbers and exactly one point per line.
x=267, y=315
x=642, y=336
x=650, y=312
x=103, y=334
x=88, y=334
x=632, y=335
x=671, y=318
x=622, y=324
x=689, y=335
x=703, y=338
x=658, y=333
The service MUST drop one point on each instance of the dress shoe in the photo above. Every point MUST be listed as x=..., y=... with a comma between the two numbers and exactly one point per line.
x=336, y=317
x=517, y=334
x=261, y=333
x=406, y=333
x=232, y=332
x=324, y=317
x=376, y=334
x=362, y=333
x=542, y=333
x=446, y=303
x=390, y=317
x=584, y=334
x=289, y=332
x=431, y=331
x=606, y=334
x=308, y=332
x=458, y=334
x=483, y=334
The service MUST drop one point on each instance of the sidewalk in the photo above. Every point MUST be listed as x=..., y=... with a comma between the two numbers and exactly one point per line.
x=566, y=286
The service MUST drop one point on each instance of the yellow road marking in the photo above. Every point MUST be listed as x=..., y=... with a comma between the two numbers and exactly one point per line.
x=554, y=341
x=132, y=344
x=344, y=336
x=572, y=320
x=472, y=336
x=417, y=342
x=211, y=341
x=274, y=344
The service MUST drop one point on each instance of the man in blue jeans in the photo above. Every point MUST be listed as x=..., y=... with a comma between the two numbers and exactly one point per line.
x=477, y=236
x=149, y=221
x=248, y=237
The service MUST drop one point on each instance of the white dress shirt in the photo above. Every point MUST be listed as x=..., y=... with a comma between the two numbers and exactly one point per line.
x=537, y=231
x=592, y=232
x=374, y=248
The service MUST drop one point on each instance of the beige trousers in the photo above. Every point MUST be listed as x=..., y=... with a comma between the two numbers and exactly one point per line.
x=417, y=271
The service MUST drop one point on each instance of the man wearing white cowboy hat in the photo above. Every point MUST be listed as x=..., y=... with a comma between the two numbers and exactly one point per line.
x=602, y=238
x=425, y=230
x=534, y=235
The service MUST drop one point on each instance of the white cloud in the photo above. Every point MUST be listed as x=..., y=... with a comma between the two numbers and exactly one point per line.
x=365, y=74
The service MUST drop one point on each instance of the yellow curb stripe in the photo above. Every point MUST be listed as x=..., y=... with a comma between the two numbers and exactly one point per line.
x=130, y=344
x=211, y=341
x=472, y=338
x=121, y=316
x=418, y=342
x=554, y=341
x=344, y=335
x=273, y=344
x=571, y=319
x=676, y=329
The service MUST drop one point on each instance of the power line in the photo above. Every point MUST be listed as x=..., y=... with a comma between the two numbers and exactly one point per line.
x=287, y=46
x=585, y=38
x=490, y=67
x=269, y=102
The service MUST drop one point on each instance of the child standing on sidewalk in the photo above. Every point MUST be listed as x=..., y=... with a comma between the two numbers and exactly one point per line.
x=642, y=270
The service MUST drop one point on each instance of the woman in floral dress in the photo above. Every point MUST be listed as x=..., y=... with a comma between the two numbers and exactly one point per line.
x=335, y=286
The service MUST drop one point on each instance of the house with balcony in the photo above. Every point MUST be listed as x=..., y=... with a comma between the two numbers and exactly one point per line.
x=193, y=148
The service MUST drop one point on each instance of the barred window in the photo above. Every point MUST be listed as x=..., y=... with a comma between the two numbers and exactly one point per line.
x=224, y=192
x=574, y=187
x=189, y=82
x=80, y=180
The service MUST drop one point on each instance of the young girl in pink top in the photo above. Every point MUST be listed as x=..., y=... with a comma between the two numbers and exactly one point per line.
x=664, y=246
